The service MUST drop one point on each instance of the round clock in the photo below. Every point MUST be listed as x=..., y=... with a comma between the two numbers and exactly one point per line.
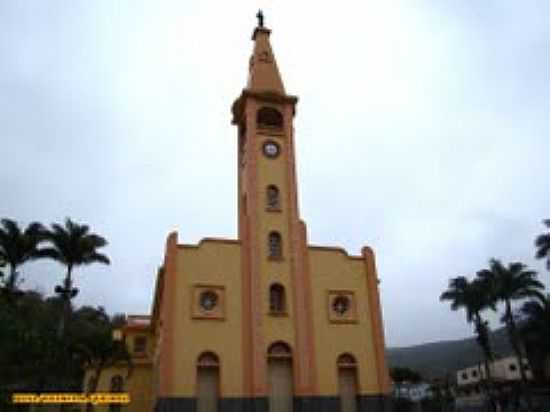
x=271, y=149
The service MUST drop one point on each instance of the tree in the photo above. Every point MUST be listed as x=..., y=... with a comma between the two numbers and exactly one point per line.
x=95, y=344
x=474, y=297
x=511, y=283
x=542, y=244
x=400, y=374
x=72, y=245
x=16, y=248
x=535, y=332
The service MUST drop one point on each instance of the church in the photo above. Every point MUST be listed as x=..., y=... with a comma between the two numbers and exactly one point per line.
x=267, y=321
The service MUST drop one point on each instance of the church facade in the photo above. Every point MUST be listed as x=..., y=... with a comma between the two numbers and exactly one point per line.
x=264, y=322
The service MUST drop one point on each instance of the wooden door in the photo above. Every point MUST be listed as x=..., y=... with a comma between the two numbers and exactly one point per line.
x=207, y=389
x=280, y=384
x=348, y=389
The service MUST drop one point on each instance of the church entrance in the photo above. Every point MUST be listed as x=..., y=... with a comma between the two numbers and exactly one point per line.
x=280, y=378
x=347, y=382
x=208, y=383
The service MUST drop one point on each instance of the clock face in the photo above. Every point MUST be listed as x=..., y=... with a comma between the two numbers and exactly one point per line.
x=271, y=149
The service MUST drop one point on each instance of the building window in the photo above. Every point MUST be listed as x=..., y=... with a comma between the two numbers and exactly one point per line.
x=340, y=305
x=273, y=199
x=474, y=374
x=117, y=383
x=277, y=301
x=464, y=375
x=92, y=384
x=346, y=361
x=513, y=367
x=208, y=300
x=140, y=343
x=269, y=117
x=275, y=246
x=208, y=377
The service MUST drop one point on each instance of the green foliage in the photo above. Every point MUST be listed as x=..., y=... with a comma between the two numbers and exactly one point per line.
x=401, y=374
x=16, y=248
x=473, y=297
x=33, y=358
x=542, y=243
x=73, y=245
x=534, y=329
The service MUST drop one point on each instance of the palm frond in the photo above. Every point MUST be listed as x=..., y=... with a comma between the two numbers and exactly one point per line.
x=50, y=253
x=96, y=257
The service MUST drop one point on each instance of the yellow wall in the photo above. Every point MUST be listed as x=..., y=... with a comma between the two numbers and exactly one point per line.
x=138, y=386
x=274, y=172
x=334, y=270
x=212, y=263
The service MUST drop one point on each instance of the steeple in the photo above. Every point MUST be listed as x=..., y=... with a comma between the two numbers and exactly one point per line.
x=263, y=74
x=264, y=80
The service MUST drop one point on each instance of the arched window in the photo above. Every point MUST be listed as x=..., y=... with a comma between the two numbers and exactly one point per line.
x=275, y=246
x=208, y=377
x=280, y=377
x=277, y=300
x=117, y=383
x=347, y=382
x=346, y=361
x=272, y=198
x=269, y=117
x=92, y=384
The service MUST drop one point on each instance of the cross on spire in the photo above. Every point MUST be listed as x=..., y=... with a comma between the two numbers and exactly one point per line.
x=260, y=17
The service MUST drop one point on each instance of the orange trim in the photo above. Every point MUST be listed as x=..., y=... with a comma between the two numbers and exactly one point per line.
x=258, y=366
x=210, y=240
x=254, y=367
x=335, y=249
x=136, y=328
x=308, y=299
x=166, y=362
x=246, y=310
x=305, y=372
x=376, y=321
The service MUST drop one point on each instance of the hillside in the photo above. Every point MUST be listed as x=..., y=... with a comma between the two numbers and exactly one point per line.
x=437, y=359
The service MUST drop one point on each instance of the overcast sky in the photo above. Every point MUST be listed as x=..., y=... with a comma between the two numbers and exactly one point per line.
x=422, y=130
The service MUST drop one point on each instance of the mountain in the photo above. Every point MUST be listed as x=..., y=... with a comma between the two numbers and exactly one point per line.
x=437, y=359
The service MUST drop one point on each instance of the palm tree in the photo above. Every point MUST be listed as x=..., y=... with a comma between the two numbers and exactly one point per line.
x=511, y=283
x=474, y=297
x=72, y=245
x=16, y=248
x=543, y=245
x=535, y=331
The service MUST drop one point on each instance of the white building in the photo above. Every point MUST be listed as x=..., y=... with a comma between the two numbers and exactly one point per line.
x=503, y=370
x=414, y=392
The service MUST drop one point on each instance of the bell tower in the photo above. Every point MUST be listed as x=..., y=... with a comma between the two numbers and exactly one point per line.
x=273, y=237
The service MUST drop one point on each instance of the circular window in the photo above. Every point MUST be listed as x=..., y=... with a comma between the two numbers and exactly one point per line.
x=341, y=305
x=208, y=300
x=271, y=149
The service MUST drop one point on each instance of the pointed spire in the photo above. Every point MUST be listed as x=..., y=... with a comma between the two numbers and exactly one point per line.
x=263, y=74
